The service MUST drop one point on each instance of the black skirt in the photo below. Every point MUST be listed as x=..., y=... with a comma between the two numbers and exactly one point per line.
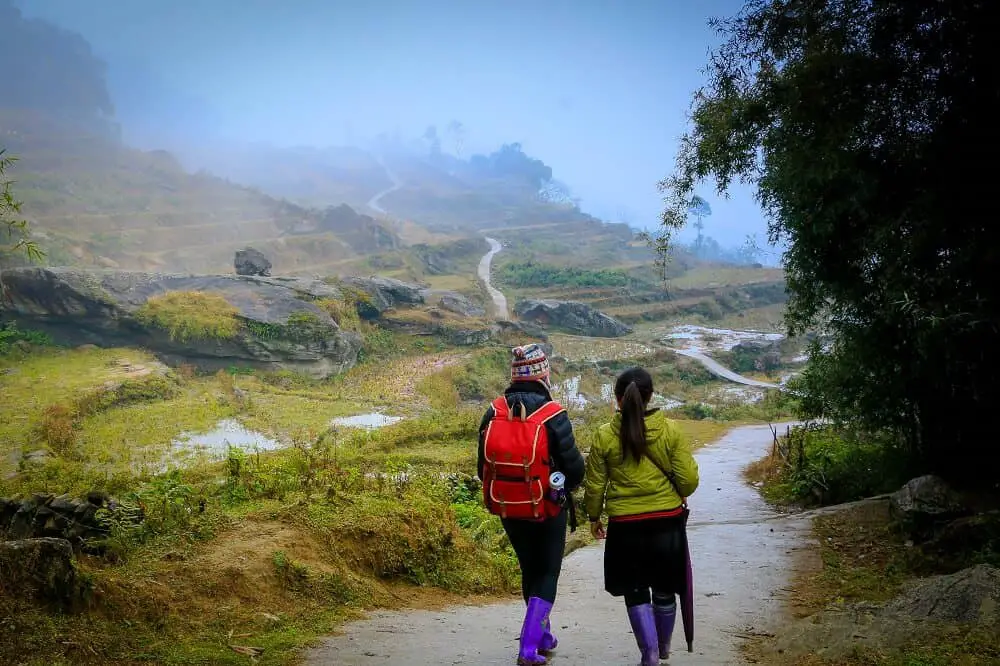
x=644, y=554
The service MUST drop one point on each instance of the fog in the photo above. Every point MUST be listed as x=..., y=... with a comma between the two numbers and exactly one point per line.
x=597, y=90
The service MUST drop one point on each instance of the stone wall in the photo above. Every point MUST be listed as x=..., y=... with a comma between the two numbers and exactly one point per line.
x=61, y=517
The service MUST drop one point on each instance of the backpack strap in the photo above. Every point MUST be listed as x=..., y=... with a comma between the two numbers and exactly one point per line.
x=546, y=412
x=500, y=408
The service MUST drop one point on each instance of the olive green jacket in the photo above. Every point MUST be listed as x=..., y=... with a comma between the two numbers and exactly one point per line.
x=627, y=488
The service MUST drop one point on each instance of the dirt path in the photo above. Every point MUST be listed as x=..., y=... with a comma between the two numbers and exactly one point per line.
x=742, y=553
x=373, y=203
x=485, y=266
x=722, y=371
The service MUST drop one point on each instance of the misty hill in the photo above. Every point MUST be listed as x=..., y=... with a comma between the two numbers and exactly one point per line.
x=397, y=207
x=95, y=201
x=92, y=200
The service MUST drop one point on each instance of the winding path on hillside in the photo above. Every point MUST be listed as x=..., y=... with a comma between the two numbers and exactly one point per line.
x=742, y=552
x=485, y=268
x=722, y=371
x=373, y=203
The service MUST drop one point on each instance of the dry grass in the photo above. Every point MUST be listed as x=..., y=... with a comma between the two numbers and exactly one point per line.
x=725, y=276
x=191, y=315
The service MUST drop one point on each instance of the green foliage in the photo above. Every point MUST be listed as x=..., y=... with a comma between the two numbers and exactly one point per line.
x=11, y=335
x=847, y=117
x=749, y=357
x=191, y=315
x=529, y=274
x=13, y=231
x=164, y=508
x=829, y=465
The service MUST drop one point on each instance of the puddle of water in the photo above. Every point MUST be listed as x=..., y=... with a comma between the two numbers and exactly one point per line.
x=718, y=338
x=227, y=432
x=370, y=421
x=663, y=402
x=743, y=394
x=568, y=393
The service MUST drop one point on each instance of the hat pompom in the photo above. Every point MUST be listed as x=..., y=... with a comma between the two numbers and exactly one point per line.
x=518, y=352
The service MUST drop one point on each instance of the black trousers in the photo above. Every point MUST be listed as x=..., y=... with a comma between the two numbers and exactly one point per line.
x=539, y=548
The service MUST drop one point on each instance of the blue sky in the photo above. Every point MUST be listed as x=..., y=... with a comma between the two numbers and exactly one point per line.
x=599, y=90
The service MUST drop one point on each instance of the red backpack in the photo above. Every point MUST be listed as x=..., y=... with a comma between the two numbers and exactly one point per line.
x=516, y=464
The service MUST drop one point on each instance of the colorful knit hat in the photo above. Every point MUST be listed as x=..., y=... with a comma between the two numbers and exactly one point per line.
x=528, y=364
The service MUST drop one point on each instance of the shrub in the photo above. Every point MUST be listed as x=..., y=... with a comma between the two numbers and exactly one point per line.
x=831, y=465
x=344, y=312
x=191, y=315
x=128, y=392
x=58, y=428
x=529, y=274
x=484, y=377
x=10, y=334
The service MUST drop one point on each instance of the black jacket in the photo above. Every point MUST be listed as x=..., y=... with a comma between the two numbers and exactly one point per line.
x=562, y=445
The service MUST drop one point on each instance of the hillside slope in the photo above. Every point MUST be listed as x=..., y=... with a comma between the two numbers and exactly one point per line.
x=94, y=201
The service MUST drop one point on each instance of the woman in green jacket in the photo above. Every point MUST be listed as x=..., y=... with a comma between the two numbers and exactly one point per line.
x=640, y=471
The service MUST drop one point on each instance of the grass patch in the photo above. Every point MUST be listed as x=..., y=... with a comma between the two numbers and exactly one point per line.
x=191, y=315
x=254, y=550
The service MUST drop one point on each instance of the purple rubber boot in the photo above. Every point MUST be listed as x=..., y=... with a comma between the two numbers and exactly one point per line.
x=535, y=620
x=644, y=627
x=665, y=616
x=548, y=642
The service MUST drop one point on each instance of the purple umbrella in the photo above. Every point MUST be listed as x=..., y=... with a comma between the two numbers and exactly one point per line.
x=687, y=595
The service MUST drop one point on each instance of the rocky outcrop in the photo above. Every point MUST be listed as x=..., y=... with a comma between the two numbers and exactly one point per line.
x=279, y=326
x=925, y=504
x=62, y=517
x=456, y=303
x=387, y=293
x=968, y=596
x=447, y=258
x=38, y=569
x=572, y=317
x=251, y=262
x=457, y=330
x=526, y=329
x=927, y=608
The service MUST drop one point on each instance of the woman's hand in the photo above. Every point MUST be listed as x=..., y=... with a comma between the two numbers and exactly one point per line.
x=597, y=530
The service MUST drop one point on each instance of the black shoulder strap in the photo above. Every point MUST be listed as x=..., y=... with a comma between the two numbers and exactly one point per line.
x=670, y=477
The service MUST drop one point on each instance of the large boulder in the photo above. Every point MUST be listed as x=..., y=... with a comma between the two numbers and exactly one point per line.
x=456, y=303
x=38, y=568
x=457, y=330
x=572, y=317
x=526, y=329
x=387, y=293
x=970, y=596
x=279, y=325
x=925, y=504
x=251, y=262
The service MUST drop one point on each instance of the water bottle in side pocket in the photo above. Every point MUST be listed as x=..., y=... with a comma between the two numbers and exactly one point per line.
x=557, y=487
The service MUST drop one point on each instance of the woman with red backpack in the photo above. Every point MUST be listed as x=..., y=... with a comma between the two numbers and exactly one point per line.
x=640, y=471
x=529, y=464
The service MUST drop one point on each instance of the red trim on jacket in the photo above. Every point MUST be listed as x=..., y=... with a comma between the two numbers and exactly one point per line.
x=652, y=515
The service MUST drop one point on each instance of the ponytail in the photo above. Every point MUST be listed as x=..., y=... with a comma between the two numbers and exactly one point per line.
x=633, y=428
x=633, y=389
